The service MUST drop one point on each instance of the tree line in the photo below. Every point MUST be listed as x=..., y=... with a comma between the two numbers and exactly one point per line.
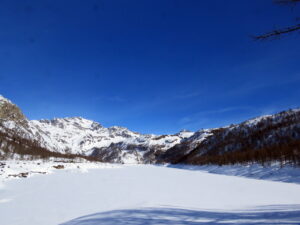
x=12, y=145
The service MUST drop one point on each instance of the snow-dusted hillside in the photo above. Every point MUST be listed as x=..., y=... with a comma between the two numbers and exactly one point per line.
x=262, y=139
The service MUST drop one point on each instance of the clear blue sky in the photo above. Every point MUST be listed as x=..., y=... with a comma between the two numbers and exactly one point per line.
x=153, y=66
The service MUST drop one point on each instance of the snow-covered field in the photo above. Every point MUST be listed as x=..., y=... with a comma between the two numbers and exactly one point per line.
x=144, y=194
x=13, y=169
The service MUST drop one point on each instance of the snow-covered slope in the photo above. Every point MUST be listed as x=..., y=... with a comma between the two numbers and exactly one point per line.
x=81, y=136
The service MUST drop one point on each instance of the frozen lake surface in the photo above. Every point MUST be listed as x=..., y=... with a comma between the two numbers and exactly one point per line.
x=146, y=194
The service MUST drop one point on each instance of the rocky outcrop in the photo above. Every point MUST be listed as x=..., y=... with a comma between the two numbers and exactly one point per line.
x=10, y=112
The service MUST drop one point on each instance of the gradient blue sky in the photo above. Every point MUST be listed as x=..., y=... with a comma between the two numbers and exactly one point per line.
x=153, y=66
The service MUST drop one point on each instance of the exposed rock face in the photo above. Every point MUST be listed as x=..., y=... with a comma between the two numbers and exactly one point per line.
x=12, y=120
x=10, y=112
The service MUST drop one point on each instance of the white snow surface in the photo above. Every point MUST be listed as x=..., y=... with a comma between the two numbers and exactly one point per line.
x=10, y=169
x=146, y=194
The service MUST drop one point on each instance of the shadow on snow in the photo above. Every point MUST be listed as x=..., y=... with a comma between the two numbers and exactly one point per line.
x=288, y=173
x=283, y=214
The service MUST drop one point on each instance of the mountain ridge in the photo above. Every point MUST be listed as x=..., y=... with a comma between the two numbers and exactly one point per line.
x=80, y=136
x=77, y=135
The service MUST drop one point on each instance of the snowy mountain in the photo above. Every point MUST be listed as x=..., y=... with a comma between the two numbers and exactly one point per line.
x=77, y=135
x=263, y=139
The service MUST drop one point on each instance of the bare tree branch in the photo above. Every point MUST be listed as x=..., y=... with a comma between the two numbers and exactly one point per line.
x=277, y=32
x=286, y=1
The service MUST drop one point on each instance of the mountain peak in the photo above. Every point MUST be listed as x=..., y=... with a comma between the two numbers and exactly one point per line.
x=3, y=99
x=77, y=122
